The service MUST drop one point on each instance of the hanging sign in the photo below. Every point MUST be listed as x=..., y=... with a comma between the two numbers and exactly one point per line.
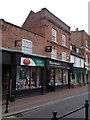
x=48, y=49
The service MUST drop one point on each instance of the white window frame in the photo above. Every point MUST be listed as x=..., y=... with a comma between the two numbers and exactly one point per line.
x=54, y=35
x=86, y=43
x=54, y=54
x=26, y=46
x=64, y=56
x=63, y=40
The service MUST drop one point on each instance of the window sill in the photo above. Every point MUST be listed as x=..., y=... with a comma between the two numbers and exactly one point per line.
x=54, y=42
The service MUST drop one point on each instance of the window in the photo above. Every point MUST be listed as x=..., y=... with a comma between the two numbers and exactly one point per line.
x=82, y=63
x=86, y=58
x=63, y=56
x=54, y=35
x=86, y=43
x=70, y=47
x=64, y=40
x=28, y=78
x=77, y=50
x=26, y=46
x=72, y=59
x=54, y=54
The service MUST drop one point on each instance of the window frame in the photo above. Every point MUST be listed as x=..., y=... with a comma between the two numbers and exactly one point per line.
x=54, y=35
x=64, y=40
x=64, y=53
x=54, y=54
x=27, y=46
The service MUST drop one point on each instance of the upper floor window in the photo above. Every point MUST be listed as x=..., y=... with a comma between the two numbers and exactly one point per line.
x=77, y=50
x=70, y=47
x=86, y=58
x=54, y=35
x=54, y=54
x=64, y=40
x=26, y=46
x=86, y=43
x=64, y=56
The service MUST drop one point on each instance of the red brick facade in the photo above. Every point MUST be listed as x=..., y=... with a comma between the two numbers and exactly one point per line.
x=11, y=33
x=38, y=29
x=80, y=39
x=42, y=23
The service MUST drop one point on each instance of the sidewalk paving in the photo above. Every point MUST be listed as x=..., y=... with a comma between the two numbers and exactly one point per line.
x=31, y=102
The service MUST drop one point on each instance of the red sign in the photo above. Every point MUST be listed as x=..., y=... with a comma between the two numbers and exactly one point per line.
x=26, y=61
x=18, y=43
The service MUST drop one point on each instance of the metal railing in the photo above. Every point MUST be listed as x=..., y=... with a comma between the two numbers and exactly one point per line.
x=86, y=106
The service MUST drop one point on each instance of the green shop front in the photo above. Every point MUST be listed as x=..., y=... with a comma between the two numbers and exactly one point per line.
x=26, y=74
x=78, y=75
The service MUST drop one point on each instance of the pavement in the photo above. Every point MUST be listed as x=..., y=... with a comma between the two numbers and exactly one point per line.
x=24, y=104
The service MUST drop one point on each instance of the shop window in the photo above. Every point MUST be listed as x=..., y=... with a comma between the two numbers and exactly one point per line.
x=73, y=76
x=65, y=76
x=28, y=78
x=51, y=77
x=58, y=77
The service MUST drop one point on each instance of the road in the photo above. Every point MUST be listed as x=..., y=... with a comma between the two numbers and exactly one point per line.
x=62, y=106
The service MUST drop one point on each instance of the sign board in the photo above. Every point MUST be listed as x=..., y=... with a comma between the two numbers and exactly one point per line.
x=32, y=62
x=48, y=49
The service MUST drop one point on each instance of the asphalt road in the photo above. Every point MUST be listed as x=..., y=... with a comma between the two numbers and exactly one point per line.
x=62, y=106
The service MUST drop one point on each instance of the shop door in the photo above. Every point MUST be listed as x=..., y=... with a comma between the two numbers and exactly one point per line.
x=5, y=79
x=51, y=79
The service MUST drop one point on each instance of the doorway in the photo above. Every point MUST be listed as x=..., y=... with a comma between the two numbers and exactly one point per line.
x=51, y=79
x=5, y=79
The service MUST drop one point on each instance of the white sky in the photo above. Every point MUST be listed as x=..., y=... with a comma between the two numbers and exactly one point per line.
x=73, y=12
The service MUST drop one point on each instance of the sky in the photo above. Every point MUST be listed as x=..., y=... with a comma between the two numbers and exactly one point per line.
x=72, y=12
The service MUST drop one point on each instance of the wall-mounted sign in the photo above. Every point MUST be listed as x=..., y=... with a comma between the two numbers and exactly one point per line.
x=48, y=49
x=32, y=62
x=24, y=46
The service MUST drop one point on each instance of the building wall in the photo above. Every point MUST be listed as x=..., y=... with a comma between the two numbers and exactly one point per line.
x=11, y=33
x=82, y=40
x=42, y=23
x=36, y=21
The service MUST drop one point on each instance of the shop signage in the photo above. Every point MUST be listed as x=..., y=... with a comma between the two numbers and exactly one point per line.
x=58, y=64
x=54, y=63
x=48, y=49
x=24, y=46
x=32, y=62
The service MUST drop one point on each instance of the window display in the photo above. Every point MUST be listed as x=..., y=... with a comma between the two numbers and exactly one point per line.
x=58, y=77
x=65, y=76
x=51, y=77
x=61, y=77
x=27, y=78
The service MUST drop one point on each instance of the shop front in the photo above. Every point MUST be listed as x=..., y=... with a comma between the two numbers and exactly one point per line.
x=78, y=76
x=28, y=75
x=5, y=62
x=58, y=74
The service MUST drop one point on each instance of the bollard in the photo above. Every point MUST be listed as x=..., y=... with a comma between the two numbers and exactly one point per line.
x=7, y=98
x=54, y=116
x=86, y=110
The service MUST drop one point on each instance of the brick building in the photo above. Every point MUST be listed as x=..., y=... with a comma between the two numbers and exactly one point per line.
x=52, y=28
x=82, y=40
x=78, y=60
x=57, y=35
x=18, y=45
x=36, y=56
